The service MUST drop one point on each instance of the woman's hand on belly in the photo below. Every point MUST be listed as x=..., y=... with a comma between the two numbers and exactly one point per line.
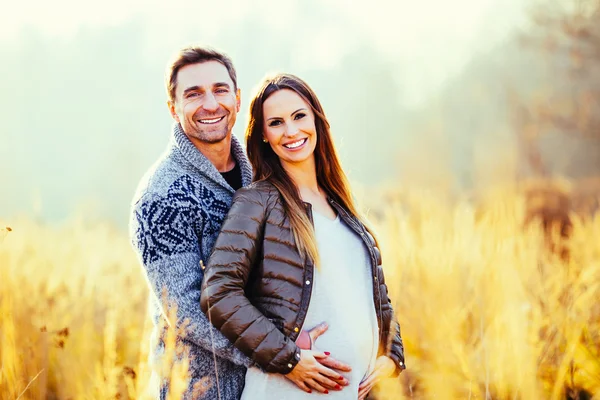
x=307, y=341
x=310, y=374
x=384, y=368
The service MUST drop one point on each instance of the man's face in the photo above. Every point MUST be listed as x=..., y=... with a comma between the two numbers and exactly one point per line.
x=206, y=103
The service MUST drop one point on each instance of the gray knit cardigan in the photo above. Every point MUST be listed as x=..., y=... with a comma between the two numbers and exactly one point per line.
x=176, y=216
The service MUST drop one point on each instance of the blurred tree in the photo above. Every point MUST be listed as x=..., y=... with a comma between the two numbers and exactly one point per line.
x=567, y=36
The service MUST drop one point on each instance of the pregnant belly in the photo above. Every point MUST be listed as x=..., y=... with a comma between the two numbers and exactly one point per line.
x=352, y=344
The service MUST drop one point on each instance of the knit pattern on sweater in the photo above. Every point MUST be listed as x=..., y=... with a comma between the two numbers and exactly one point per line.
x=164, y=229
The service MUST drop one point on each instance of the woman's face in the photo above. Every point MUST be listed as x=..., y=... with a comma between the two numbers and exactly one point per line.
x=289, y=127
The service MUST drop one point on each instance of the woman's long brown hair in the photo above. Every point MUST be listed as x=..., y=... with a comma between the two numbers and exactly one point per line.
x=267, y=166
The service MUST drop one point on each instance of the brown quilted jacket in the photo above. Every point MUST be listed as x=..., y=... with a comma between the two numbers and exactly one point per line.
x=256, y=287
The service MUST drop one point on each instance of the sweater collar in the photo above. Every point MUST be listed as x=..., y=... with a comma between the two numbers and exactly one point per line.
x=180, y=141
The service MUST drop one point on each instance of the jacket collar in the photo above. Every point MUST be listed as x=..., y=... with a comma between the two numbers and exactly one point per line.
x=344, y=215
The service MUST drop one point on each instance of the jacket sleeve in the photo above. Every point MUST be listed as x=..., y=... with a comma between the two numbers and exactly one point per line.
x=168, y=248
x=393, y=348
x=396, y=347
x=237, y=251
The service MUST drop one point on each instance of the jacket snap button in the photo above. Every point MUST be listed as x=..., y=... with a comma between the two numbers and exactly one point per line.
x=296, y=329
x=290, y=365
x=308, y=282
x=375, y=277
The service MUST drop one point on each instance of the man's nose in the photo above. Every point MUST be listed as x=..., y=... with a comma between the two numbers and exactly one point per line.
x=210, y=103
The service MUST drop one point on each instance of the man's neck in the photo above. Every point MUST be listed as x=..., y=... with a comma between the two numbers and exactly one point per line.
x=219, y=154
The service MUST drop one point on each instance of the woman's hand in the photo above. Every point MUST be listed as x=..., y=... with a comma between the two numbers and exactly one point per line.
x=310, y=374
x=307, y=339
x=384, y=368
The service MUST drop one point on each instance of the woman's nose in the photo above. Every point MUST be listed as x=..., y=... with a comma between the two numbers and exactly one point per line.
x=291, y=129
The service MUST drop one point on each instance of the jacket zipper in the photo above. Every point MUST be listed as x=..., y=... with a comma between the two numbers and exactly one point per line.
x=312, y=284
x=309, y=297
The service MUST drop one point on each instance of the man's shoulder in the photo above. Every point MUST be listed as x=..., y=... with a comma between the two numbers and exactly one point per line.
x=151, y=182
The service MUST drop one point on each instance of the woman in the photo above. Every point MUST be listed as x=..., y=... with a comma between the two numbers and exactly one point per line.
x=293, y=252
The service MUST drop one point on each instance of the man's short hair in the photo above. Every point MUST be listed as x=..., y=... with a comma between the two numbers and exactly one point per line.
x=195, y=55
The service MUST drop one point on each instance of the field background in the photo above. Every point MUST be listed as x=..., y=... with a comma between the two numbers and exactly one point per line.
x=487, y=309
x=469, y=129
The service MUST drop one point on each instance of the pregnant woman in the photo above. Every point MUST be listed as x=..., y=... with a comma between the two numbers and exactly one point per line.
x=293, y=251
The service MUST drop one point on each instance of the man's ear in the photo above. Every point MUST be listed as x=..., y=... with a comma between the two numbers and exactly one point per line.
x=172, y=110
x=238, y=100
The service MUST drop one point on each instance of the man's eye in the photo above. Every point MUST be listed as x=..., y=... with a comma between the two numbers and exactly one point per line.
x=193, y=94
x=222, y=91
x=299, y=116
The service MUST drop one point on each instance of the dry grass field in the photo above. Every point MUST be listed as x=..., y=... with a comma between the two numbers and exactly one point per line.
x=494, y=304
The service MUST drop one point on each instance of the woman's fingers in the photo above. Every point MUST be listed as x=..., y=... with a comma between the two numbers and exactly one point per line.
x=317, y=331
x=320, y=354
x=332, y=363
x=328, y=372
x=328, y=382
x=313, y=383
x=365, y=386
x=384, y=367
x=330, y=378
x=331, y=366
x=326, y=376
x=370, y=379
x=303, y=386
x=310, y=373
x=362, y=393
x=298, y=381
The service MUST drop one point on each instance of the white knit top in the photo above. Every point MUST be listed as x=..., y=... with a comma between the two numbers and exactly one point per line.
x=342, y=296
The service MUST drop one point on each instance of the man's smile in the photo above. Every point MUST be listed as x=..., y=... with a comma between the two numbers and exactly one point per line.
x=211, y=120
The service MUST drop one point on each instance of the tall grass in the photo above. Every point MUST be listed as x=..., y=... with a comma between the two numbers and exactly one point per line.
x=488, y=310
x=73, y=322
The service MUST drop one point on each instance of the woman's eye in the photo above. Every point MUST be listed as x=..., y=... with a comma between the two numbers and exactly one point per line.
x=299, y=116
x=274, y=123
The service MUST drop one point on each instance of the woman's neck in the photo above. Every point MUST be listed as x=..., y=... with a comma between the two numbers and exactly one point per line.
x=305, y=177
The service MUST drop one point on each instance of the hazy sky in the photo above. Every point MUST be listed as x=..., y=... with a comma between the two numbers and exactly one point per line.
x=373, y=63
x=431, y=40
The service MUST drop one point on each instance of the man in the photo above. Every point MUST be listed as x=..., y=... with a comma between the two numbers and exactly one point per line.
x=176, y=216
x=178, y=210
